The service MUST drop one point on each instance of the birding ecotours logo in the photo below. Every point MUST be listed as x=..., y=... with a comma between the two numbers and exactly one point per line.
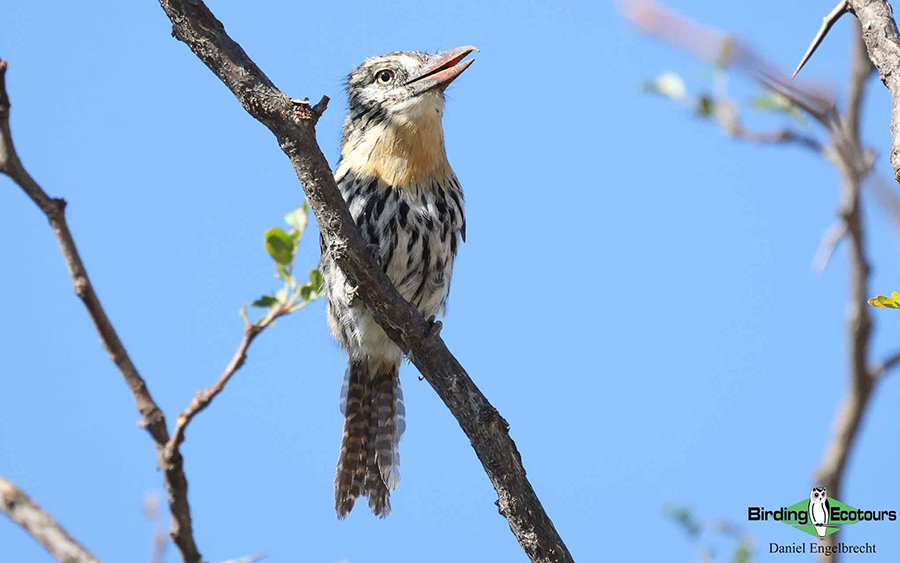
x=819, y=515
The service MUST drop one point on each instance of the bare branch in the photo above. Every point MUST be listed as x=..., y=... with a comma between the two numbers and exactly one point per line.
x=778, y=136
x=726, y=51
x=829, y=20
x=204, y=398
x=152, y=417
x=40, y=525
x=830, y=241
x=886, y=366
x=853, y=165
x=488, y=432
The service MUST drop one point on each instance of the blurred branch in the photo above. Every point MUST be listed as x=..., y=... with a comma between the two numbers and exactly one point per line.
x=40, y=525
x=160, y=538
x=725, y=51
x=830, y=241
x=886, y=366
x=488, y=432
x=832, y=468
x=783, y=135
x=853, y=162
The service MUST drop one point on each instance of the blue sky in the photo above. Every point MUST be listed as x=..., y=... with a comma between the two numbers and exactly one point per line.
x=635, y=295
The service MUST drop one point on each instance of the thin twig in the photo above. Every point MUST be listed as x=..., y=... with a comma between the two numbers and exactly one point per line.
x=152, y=417
x=488, y=432
x=204, y=398
x=830, y=241
x=41, y=526
x=778, y=136
x=886, y=366
x=829, y=20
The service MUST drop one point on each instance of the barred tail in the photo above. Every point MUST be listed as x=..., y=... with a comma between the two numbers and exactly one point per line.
x=351, y=465
x=387, y=422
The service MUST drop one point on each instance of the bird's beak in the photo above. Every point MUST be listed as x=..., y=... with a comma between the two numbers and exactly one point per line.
x=442, y=69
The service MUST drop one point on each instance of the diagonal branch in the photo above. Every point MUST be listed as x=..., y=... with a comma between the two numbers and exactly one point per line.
x=204, y=398
x=41, y=526
x=882, y=369
x=196, y=26
x=830, y=241
x=152, y=417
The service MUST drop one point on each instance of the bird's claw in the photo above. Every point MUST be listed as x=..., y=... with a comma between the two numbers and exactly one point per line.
x=434, y=328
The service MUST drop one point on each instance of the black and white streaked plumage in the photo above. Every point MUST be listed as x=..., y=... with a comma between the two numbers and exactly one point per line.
x=408, y=207
x=819, y=510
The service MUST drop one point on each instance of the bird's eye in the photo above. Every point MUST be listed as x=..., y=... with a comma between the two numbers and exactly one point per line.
x=384, y=77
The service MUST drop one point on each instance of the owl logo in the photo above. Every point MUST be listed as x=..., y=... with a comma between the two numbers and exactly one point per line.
x=819, y=510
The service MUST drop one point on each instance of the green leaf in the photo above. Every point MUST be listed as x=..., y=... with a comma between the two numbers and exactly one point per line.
x=281, y=295
x=306, y=291
x=280, y=246
x=884, y=302
x=298, y=219
x=775, y=102
x=316, y=280
x=265, y=301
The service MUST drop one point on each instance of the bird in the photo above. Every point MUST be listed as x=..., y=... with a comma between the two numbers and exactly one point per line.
x=408, y=207
x=819, y=510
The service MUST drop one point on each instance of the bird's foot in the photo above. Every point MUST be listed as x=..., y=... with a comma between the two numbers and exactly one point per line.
x=434, y=327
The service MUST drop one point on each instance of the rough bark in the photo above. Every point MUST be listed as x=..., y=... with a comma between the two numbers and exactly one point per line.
x=197, y=27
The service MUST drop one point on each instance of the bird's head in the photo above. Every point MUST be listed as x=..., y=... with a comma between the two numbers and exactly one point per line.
x=393, y=131
x=405, y=83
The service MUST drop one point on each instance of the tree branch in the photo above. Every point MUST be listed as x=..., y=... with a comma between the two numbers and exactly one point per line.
x=40, y=525
x=882, y=43
x=204, y=398
x=196, y=26
x=152, y=417
x=830, y=241
x=851, y=163
x=882, y=369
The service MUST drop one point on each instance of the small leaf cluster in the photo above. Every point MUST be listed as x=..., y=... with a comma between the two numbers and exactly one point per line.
x=716, y=105
x=282, y=247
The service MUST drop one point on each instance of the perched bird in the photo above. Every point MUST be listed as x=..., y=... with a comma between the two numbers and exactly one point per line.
x=819, y=510
x=408, y=207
